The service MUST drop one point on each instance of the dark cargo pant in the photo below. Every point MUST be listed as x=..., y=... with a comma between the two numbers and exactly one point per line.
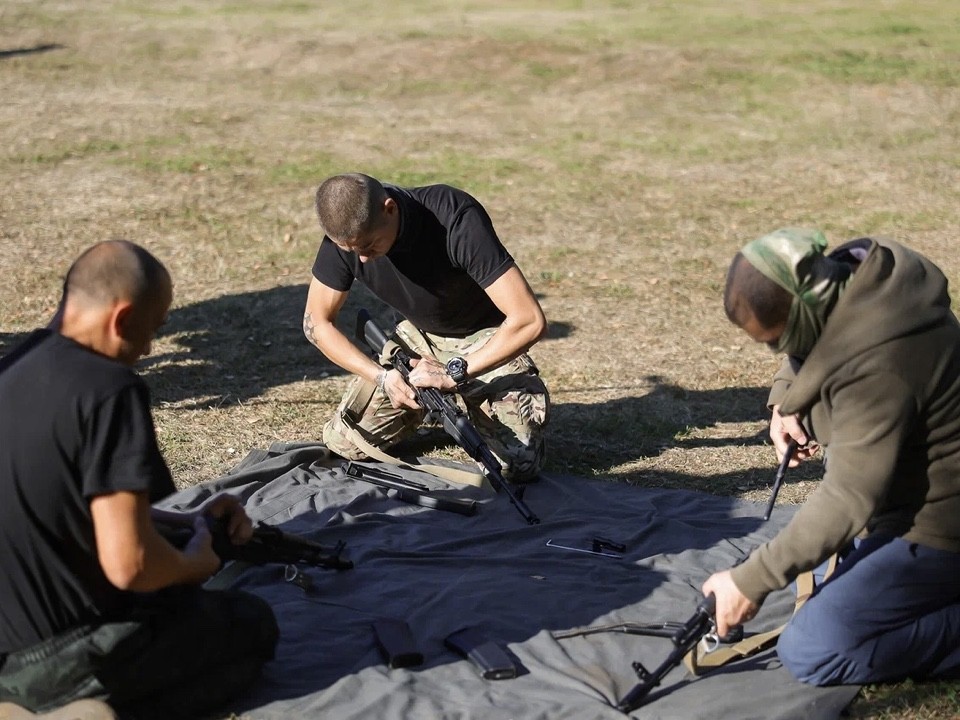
x=509, y=406
x=890, y=611
x=182, y=652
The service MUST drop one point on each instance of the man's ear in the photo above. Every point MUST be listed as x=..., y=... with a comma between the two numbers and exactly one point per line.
x=121, y=319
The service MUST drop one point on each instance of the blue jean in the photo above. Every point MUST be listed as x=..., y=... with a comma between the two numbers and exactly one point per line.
x=891, y=611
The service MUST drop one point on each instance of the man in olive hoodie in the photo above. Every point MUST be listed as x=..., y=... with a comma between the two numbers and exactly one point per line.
x=871, y=374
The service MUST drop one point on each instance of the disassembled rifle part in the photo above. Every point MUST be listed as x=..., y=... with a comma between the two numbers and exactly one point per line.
x=489, y=656
x=778, y=480
x=407, y=490
x=594, y=546
x=293, y=574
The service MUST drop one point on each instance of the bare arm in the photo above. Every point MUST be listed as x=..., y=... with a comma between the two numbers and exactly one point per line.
x=319, y=326
x=523, y=326
x=223, y=506
x=134, y=556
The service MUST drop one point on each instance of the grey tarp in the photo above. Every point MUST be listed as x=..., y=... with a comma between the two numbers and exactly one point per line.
x=442, y=571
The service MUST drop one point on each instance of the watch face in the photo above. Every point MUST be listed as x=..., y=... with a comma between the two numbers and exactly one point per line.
x=457, y=369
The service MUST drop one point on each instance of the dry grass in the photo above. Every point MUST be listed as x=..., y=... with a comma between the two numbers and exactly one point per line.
x=625, y=151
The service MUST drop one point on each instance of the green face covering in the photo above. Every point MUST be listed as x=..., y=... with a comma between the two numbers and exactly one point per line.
x=793, y=258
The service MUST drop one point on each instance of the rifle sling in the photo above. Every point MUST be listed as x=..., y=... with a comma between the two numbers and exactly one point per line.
x=697, y=661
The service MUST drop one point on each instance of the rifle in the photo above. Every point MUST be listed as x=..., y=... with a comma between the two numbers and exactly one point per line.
x=778, y=480
x=685, y=638
x=454, y=420
x=268, y=544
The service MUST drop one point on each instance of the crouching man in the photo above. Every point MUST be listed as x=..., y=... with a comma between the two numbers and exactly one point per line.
x=872, y=375
x=94, y=602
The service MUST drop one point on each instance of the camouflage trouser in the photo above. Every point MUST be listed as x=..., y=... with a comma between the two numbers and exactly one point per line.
x=509, y=406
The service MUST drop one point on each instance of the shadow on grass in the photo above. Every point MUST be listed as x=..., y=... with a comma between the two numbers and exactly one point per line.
x=236, y=347
x=621, y=430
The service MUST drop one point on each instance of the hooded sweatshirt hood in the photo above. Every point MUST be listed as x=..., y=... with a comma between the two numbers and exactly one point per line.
x=894, y=293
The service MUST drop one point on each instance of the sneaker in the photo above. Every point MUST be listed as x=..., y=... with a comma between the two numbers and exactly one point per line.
x=87, y=709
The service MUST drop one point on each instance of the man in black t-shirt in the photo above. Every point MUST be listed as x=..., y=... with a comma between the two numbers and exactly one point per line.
x=432, y=254
x=94, y=602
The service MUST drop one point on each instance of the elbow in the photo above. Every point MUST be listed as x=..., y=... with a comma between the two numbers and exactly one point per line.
x=309, y=328
x=125, y=574
x=536, y=328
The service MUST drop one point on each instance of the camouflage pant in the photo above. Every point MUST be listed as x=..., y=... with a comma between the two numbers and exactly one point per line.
x=509, y=406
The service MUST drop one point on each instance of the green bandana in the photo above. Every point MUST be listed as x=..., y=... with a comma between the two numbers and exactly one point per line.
x=793, y=258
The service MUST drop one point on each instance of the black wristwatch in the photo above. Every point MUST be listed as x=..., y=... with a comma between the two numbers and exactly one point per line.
x=457, y=370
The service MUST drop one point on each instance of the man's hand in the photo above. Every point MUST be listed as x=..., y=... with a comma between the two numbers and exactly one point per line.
x=733, y=607
x=228, y=508
x=427, y=372
x=400, y=393
x=784, y=428
x=199, y=549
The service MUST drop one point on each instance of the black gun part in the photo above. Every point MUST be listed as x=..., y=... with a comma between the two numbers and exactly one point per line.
x=396, y=642
x=272, y=545
x=490, y=658
x=454, y=421
x=409, y=491
x=268, y=544
x=685, y=639
x=778, y=480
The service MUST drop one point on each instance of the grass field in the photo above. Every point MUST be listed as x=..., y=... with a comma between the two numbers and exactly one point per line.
x=625, y=151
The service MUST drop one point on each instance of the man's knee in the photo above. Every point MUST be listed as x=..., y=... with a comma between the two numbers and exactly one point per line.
x=818, y=650
x=336, y=441
x=255, y=624
x=258, y=613
x=522, y=464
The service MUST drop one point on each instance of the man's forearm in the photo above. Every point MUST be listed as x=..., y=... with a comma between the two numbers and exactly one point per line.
x=337, y=348
x=509, y=341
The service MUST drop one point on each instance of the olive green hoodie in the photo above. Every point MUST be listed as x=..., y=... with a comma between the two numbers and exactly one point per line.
x=880, y=390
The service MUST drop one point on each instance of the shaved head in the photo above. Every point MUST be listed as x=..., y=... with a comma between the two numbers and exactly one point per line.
x=115, y=297
x=115, y=270
x=350, y=206
x=750, y=293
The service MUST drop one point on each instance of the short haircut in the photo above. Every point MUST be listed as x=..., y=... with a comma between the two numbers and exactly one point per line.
x=115, y=270
x=750, y=292
x=349, y=206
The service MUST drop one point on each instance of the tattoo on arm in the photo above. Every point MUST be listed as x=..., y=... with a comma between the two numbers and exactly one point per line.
x=308, y=327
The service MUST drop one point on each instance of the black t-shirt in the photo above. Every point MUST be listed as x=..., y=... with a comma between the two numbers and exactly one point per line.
x=73, y=425
x=435, y=275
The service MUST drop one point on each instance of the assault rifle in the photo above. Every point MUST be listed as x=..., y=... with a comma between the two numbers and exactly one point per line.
x=454, y=420
x=268, y=544
x=684, y=638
